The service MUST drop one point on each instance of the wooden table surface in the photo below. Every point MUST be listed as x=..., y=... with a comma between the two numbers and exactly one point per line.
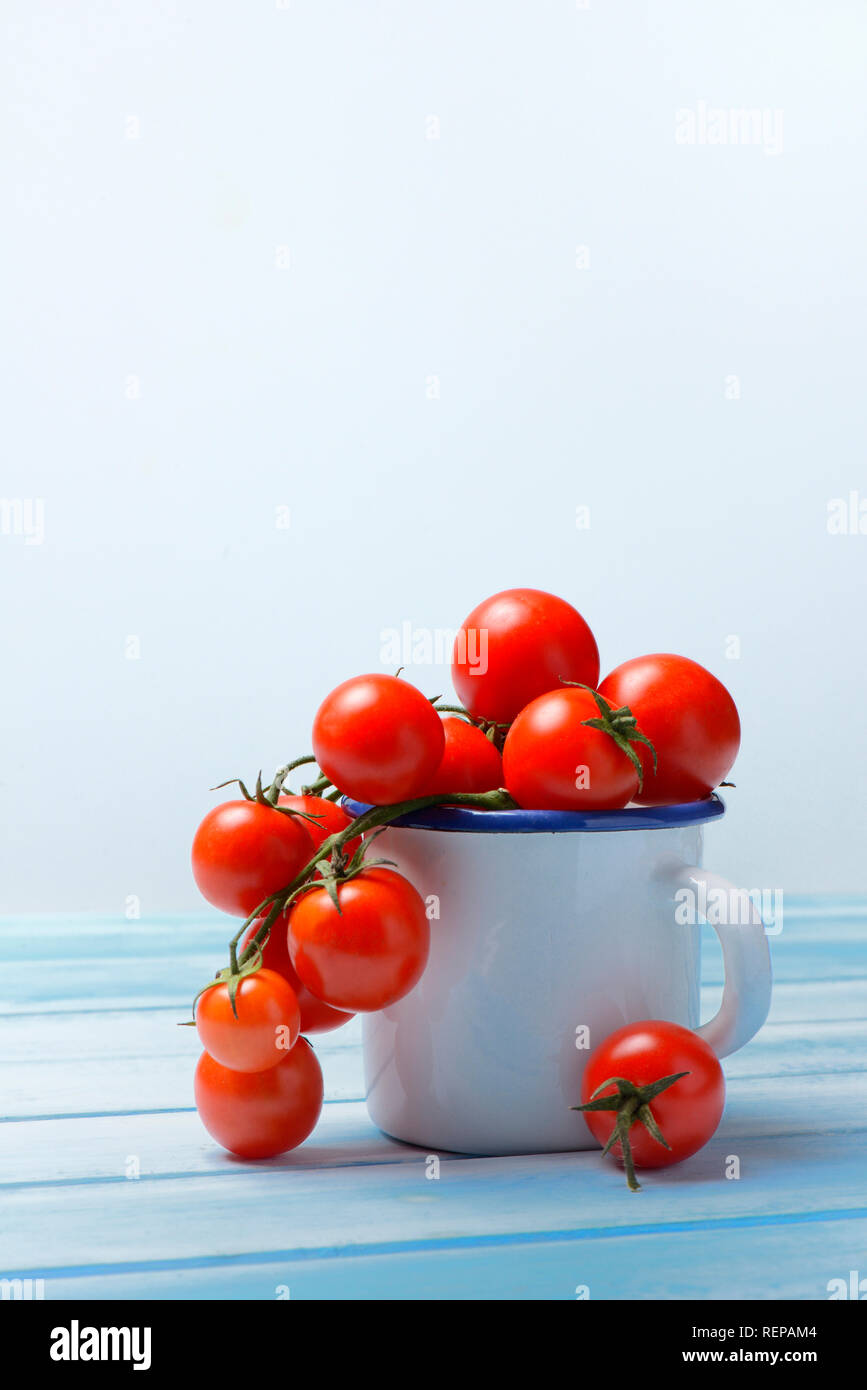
x=112, y=1189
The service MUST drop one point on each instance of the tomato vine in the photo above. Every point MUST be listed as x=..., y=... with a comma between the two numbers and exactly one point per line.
x=248, y=960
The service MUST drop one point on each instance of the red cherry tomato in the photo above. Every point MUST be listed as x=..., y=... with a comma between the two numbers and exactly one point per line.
x=262, y=1113
x=378, y=739
x=316, y=1017
x=244, y=851
x=470, y=762
x=330, y=819
x=687, y=1113
x=266, y=1027
x=369, y=954
x=553, y=761
x=689, y=717
x=517, y=645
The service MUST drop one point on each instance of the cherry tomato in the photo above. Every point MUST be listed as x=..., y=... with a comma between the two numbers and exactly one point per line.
x=378, y=739
x=517, y=645
x=266, y=1027
x=261, y=1113
x=316, y=1017
x=689, y=717
x=244, y=851
x=470, y=762
x=369, y=954
x=330, y=819
x=687, y=1112
x=553, y=761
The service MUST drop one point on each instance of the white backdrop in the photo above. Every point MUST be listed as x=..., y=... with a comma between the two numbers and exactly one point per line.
x=330, y=316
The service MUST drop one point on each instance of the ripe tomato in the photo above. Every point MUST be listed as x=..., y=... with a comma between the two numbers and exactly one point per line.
x=316, y=1017
x=266, y=1028
x=244, y=851
x=470, y=762
x=553, y=761
x=689, y=717
x=369, y=954
x=687, y=1112
x=378, y=739
x=330, y=819
x=261, y=1113
x=517, y=645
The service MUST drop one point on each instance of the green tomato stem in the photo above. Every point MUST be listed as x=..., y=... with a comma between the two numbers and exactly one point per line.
x=282, y=773
x=318, y=787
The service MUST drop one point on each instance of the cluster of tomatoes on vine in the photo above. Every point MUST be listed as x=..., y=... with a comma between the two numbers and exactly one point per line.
x=327, y=931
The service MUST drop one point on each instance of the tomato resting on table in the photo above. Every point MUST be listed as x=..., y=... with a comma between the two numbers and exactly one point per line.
x=316, y=1017
x=263, y=1028
x=262, y=1113
x=378, y=739
x=515, y=646
x=244, y=851
x=554, y=761
x=686, y=1112
x=689, y=717
x=370, y=953
x=470, y=762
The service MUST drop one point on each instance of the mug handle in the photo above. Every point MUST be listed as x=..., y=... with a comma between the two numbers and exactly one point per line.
x=746, y=958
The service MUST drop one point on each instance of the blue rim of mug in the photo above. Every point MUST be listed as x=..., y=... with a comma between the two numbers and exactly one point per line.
x=539, y=822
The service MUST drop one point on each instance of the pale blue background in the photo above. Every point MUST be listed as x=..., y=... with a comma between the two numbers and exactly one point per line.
x=261, y=127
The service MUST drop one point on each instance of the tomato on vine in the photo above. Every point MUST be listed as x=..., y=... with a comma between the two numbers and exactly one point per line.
x=515, y=646
x=367, y=951
x=378, y=739
x=263, y=1113
x=252, y=1029
x=470, y=761
x=569, y=751
x=316, y=1017
x=244, y=851
x=690, y=718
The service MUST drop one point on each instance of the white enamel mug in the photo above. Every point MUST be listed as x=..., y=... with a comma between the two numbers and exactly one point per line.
x=553, y=929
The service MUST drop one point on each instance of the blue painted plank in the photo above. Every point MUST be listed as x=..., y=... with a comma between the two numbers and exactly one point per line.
x=297, y=1212
x=488, y=1228
x=791, y=1261
x=98, y=1148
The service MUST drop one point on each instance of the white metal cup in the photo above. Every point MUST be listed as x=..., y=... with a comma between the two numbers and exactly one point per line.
x=549, y=930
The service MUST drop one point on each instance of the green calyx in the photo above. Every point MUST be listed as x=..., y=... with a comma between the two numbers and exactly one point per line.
x=269, y=796
x=231, y=976
x=620, y=725
x=632, y=1105
x=339, y=868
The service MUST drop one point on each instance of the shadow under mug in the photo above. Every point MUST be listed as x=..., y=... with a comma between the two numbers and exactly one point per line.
x=549, y=930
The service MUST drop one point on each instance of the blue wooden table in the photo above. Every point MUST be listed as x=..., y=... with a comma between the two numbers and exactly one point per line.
x=112, y=1189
